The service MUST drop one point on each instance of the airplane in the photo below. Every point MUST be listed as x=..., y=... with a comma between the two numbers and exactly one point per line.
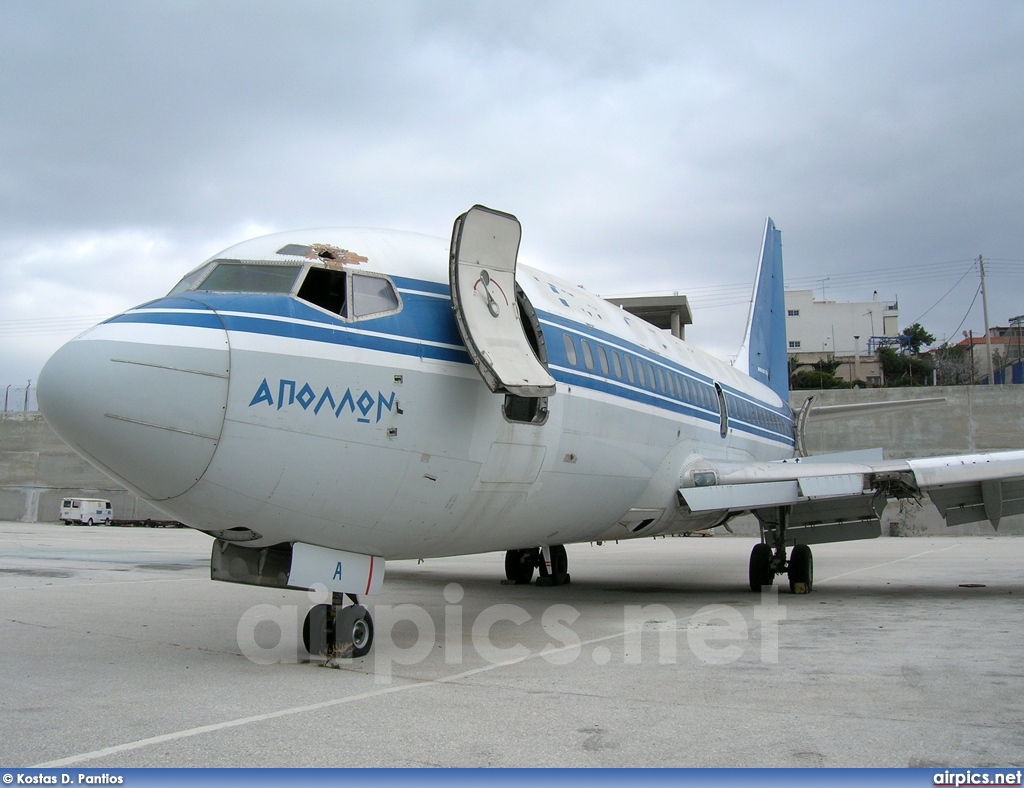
x=324, y=401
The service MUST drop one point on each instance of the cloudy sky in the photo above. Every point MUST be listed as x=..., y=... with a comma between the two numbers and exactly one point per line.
x=641, y=144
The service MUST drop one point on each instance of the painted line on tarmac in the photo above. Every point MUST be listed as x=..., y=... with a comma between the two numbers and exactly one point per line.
x=219, y=726
x=65, y=586
x=887, y=563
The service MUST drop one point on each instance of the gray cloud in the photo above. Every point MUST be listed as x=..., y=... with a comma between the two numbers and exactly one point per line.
x=640, y=144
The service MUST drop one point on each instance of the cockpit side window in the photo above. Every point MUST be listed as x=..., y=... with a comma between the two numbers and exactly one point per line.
x=372, y=295
x=326, y=289
x=188, y=282
x=352, y=296
x=238, y=277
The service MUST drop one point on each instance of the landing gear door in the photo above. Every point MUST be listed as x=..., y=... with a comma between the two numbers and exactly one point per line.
x=482, y=269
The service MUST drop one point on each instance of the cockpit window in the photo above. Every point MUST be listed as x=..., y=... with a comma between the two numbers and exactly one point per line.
x=342, y=292
x=232, y=277
x=189, y=280
x=326, y=289
x=352, y=296
x=371, y=295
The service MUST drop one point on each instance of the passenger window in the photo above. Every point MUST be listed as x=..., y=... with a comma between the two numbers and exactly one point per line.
x=588, y=355
x=602, y=358
x=616, y=364
x=661, y=380
x=640, y=373
x=326, y=289
x=372, y=295
x=650, y=377
x=629, y=368
x=570, y=350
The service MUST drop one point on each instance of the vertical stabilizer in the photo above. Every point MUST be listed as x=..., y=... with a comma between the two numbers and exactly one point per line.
x=763, y=353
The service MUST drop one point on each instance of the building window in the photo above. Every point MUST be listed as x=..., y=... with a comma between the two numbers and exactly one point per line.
x=793, y=313
x=794, y=343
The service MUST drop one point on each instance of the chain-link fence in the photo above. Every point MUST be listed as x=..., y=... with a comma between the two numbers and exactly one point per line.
x=20, y=399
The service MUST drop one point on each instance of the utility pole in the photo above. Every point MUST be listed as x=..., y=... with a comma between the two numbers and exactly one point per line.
x=988, y=338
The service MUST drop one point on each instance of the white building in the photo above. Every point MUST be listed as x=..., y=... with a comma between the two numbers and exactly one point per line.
x=829, y=329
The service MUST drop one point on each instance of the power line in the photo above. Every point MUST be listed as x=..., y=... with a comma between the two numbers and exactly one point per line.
x=958, y=281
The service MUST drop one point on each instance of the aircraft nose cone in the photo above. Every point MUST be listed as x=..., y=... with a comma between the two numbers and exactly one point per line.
x=141, y=399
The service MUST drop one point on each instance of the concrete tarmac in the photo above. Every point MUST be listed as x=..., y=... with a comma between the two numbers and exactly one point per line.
x=118, y=651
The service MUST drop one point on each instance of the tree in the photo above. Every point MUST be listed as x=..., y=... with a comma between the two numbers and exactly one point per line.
x=815, y=379
x=917, y=336
x=827, y=365
x=904, y=370
x=954, y=366
x=822, y=375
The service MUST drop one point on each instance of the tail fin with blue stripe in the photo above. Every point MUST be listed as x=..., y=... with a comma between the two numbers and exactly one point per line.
x=763, y=353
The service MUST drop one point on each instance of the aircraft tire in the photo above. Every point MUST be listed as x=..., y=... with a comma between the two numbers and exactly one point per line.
x=519, y=566
x=318, y=630
x=760, y=572
x=354, y=630
x=801, y=570
x=559, y=565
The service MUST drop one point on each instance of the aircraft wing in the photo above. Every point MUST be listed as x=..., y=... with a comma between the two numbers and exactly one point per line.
x=841, y=497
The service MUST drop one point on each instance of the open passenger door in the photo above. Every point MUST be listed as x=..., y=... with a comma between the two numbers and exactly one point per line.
x=482, y=270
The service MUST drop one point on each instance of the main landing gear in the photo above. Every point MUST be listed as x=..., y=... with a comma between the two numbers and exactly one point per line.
x=552, y=562
x=336, y=631
x=768, y=558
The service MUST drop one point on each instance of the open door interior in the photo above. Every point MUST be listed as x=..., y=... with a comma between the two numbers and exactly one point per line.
x=482, y=270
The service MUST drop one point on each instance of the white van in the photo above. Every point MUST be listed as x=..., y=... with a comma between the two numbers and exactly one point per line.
x=85, y=510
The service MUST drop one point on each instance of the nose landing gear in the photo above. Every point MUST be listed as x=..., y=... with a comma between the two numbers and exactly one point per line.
x=337, y=631
x=553, y=563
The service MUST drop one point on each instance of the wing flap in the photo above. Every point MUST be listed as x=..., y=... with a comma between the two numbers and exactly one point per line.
x=974, y=503
x=836, y=499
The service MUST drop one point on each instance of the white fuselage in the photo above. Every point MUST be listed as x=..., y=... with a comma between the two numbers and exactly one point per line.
x=270, y=415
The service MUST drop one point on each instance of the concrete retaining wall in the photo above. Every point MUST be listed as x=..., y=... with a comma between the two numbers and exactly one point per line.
x=38, y=470
x=972, y=419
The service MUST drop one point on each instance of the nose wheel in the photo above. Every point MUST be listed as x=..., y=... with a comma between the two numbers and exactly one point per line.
x=336, y=631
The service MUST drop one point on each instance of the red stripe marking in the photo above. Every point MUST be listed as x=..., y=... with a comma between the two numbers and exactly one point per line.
x=369, y=578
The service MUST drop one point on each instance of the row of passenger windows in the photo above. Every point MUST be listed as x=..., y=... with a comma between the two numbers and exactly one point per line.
x=640, y=372
x=741, y=409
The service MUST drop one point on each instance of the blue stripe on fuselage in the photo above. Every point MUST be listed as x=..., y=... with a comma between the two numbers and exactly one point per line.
x=425, y=322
